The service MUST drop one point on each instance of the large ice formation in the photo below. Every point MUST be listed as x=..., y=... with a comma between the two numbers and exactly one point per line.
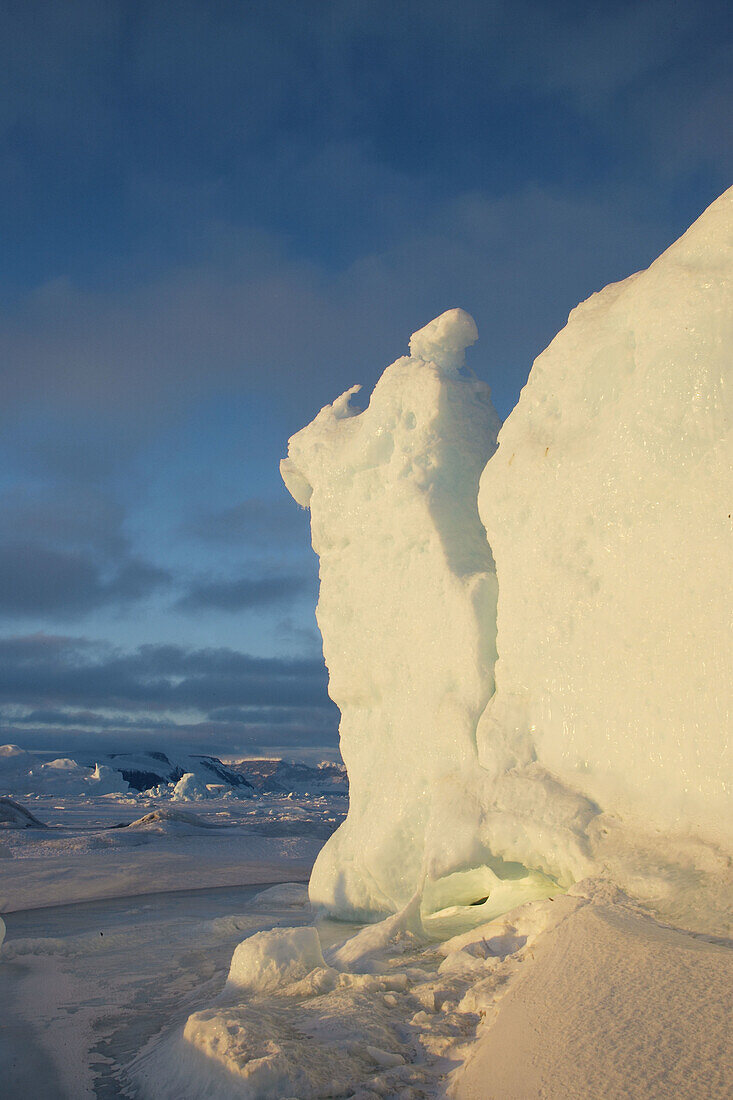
x=407, y=611
x=608, y=510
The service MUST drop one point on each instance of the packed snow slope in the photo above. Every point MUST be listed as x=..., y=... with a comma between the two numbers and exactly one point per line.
x=604, y=748
x=407, y=611
x=608, y=509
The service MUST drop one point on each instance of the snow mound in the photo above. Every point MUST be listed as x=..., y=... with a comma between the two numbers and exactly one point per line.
x=286, y=894
x=14, y=816
x=268, y=960
x=167, y=820
x=15, y=760
x=407, y=611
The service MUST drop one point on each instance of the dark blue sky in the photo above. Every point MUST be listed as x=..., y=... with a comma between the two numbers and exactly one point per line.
x=216, y=216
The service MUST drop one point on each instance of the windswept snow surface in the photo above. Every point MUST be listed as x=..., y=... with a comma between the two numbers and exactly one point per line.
x=390, y=1014
x=118, y=847
x=407, y=611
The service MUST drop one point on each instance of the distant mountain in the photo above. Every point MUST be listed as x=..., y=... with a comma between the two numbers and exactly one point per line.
x=276, y=776
x=99, y=773
x=144, y=770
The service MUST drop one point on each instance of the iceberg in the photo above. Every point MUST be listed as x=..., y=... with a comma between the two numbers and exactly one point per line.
x=190, y=788
x=553, y=702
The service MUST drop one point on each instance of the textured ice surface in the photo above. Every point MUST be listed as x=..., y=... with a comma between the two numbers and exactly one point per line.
x=267, y=960
x=608, y=508
x=407, y=612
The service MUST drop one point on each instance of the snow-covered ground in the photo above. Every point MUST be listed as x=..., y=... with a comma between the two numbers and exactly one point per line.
x=113, y=933
x=121, y=973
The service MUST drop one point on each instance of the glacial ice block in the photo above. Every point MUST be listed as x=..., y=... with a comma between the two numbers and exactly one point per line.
x=407, y=612
x=608, y=508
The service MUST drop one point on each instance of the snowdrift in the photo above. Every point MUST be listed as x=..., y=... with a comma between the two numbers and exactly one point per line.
x=15, y=816
x=165, y=820
x=510, y=728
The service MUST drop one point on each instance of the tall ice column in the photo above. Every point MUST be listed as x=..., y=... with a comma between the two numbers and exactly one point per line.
x=407, y=610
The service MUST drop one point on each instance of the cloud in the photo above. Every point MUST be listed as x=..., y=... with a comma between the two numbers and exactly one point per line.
x=85, y=719
x=276, y=170
x=215, y=224
x=59, y=692
x=62, y=515
x=253, y=522
x=35, y=580
x=46, y=670
x=245, y=593
x=298, y=334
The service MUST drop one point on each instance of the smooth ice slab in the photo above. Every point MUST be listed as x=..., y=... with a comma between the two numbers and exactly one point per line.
x=608, y=508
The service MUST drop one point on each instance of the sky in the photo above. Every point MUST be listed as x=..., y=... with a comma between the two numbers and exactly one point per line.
x=218, y=215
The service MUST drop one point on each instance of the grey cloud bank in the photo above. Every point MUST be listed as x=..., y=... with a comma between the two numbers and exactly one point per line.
x=158, y=694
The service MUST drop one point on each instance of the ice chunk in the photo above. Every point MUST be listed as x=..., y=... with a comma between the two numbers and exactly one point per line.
x=268, y=960
x=407, y=612
x=190, y=788
x=444, y=340
x=607, y=507
x=608, y=510
x=105, y=780
x=363, y=952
